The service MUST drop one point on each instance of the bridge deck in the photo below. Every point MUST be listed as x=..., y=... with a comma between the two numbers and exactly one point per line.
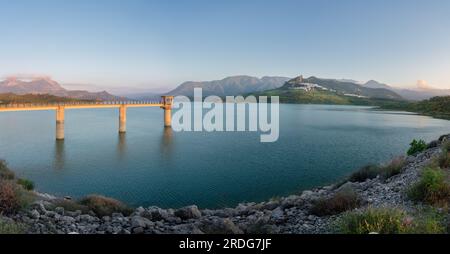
x=76, y=105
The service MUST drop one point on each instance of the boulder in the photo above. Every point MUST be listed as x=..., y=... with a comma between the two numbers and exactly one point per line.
x=34, y=214
x=157, y=214
x=277, y=215
x=138, y=221
x=188, y=212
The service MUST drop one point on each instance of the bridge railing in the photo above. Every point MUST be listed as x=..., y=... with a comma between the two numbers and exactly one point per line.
x=53, y=104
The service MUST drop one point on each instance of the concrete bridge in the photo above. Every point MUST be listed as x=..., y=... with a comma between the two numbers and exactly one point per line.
x=165, y=104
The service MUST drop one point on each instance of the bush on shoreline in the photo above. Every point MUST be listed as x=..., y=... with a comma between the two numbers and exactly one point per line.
x=417, y=146
x=14, y=194
x=5, y=172
x=342, y=201
x=433, y=187
x=104, y=206
x=9, y=197
x=26, y=184
x=365, y=173
x=69, y=205
x=394, y=167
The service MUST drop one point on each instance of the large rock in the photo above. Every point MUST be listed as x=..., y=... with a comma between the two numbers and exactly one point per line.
x=34, y=214
x=277, y=215
x=157, y=214
x=138, y=221
x=188, y=212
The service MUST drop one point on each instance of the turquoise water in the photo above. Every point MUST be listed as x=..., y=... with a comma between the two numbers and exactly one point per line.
x=149, y=165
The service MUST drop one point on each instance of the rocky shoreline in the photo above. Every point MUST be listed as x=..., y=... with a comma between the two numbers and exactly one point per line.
x=286, y=215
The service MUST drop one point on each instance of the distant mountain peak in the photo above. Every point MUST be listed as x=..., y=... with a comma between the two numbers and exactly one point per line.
x=376, y=85
x=46, y=85
x=230, y=86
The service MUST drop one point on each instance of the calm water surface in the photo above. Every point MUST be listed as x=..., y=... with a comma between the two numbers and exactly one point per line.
x=152, y=166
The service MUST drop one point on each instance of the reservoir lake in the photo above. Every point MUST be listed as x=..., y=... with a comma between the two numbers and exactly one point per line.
x=153, y=165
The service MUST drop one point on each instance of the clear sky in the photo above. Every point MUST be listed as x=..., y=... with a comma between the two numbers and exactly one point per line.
x=152, y=44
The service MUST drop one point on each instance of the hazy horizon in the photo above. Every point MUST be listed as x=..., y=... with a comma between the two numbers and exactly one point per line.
x=144, y=46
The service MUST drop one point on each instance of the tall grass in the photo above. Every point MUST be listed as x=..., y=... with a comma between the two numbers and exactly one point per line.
x=389, y=221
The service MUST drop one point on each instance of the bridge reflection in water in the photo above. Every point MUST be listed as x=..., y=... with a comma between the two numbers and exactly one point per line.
x=60, y=155
x=166, y=146
x=122, y=146
x=165, y=104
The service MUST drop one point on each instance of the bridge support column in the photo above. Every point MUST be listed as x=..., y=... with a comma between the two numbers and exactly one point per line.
x=167, y=106
x=167, y=117
x=122, y=119
x=60, y=123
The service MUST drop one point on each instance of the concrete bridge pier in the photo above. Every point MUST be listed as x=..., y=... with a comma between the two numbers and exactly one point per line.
x=167, y=106
x=167, y=117
x=122, y=119
x=60, y=123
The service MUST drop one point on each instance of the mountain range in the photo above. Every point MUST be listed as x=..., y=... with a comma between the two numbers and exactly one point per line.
x=230, y=86
x=45, y=85
x=417, y=94
x=239, y=85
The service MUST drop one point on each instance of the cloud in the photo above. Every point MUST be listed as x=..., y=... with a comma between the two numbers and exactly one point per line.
x=423, y=84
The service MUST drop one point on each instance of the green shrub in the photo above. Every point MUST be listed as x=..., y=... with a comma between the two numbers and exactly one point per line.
x=9, y=227
x=388, y=221
x=5, y=172
x=417, y=146
x=366, y=172
x=433, y=188
x=26, y=184
x=104, y=206
x=342, y=201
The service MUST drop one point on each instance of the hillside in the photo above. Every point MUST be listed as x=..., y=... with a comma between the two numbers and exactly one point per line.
x=330, y=91
x=230, y=86
x=438, y=107
x=45, y=85
x=345, y=87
